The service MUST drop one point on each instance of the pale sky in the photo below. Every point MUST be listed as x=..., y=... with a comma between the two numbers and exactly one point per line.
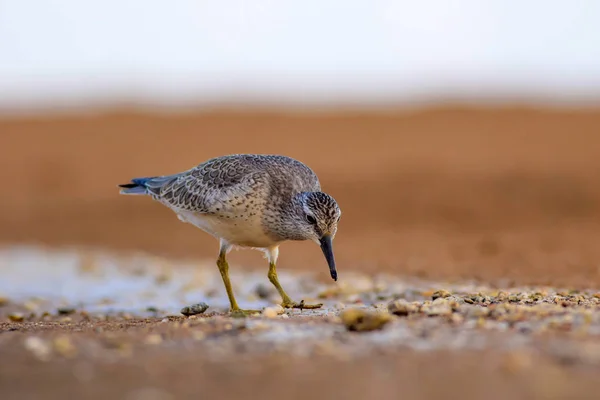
x=73, y=51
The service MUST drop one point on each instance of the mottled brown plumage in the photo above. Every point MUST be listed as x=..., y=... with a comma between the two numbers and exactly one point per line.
x=249, y=200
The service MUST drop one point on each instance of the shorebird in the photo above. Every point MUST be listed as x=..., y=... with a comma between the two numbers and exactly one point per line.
x=250, y=201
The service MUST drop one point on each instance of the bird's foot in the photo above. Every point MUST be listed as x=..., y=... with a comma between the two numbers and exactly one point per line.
x=239, y=313
x=301, y=305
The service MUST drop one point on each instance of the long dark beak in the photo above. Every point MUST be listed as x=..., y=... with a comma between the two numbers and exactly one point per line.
x=327, y=248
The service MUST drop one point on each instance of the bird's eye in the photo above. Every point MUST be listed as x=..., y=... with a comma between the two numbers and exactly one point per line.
x=310, y=219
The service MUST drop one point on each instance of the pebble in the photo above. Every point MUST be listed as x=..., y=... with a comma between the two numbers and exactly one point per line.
x=194, y=309
x=272, y=312
x=440, y=306
x=16, y=317
x=402, y=307
x=359, y=320
x=440, y=294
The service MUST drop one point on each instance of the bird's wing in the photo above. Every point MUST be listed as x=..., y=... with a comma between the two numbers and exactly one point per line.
x=224, y=180
x=204, y=188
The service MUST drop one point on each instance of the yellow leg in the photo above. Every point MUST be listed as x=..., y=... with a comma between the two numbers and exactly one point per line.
x=224, y=270
x=286, y=301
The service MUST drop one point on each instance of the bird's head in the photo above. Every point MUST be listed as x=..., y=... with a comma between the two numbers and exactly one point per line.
x=318, y=219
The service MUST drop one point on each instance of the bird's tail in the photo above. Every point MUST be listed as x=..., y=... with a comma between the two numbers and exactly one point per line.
x=148, y=185
x=136, y=186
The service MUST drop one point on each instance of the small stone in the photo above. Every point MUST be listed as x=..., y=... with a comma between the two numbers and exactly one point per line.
x=502, y=296
x=16, y=317
x=273, y=312
x=454, y=304
x=359, y=320
x=194, y=309
x=440, y=306
x=440, y=294
x=65, y=311
x=402, y=307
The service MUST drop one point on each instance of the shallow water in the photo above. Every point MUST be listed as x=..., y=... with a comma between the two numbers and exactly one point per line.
x=105, y=283
x=101, y=282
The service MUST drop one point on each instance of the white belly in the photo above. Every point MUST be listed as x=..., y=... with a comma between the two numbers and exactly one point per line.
x=235, y=231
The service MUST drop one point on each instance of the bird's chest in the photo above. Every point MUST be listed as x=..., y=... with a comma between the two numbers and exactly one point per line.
x=237, y=230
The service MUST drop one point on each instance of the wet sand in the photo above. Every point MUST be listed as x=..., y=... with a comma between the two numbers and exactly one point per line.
x=504, y=197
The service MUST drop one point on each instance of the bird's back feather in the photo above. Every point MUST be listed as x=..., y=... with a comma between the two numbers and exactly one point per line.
x=223, y=180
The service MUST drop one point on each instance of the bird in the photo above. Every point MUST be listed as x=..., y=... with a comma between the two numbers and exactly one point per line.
x=250, y=201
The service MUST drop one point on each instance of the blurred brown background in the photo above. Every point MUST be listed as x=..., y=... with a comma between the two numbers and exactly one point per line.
x=498, y=194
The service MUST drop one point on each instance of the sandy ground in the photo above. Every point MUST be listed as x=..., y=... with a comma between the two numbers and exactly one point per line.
x=499, y=198
x=102, y=326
